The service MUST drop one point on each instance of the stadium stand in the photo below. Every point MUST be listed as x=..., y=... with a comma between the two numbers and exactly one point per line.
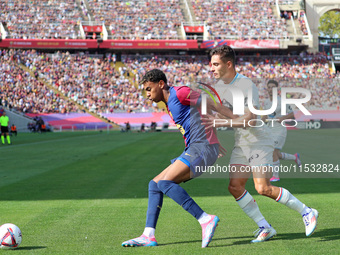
x=311, y=71
x=303, y=66
x=139, y=19
x=303, y=23
x=180, y=71
x=94, y=83
x=32, y=19
x=89, y=81
x=108, y=88
x=21, y=91
x=249, y=19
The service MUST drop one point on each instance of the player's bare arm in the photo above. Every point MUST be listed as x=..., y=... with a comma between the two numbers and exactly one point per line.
x=220, y=120
x=285, y=117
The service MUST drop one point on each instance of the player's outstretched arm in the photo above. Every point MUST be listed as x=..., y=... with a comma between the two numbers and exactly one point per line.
x=288, y=116
x=221, y=110
x=264, y=118
x=237, y=122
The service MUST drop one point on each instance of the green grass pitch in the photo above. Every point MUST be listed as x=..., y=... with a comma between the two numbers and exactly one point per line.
x=86, y=193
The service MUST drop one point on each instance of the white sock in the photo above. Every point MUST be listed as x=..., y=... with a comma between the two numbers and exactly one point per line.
x=287, y=199
x=149, y=232
x=263, y=223
x=305, y=210
x=250, y=207
x=276, y=169
x=287, y=156
x=204, y=218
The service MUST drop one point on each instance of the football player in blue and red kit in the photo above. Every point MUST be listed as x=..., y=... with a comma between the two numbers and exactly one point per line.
x=201, y=149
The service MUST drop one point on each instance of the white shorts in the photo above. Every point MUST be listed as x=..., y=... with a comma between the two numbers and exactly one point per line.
x=279, y=136
x=251, y=160
x=252, y=155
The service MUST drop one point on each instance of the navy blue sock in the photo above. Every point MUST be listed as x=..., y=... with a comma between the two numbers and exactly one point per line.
x=181, y=197
x=154, y=205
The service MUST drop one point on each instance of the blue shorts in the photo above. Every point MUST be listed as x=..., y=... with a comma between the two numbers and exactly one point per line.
x=198, y=155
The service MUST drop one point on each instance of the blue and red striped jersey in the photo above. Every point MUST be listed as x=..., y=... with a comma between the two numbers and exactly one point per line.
x=184, y=108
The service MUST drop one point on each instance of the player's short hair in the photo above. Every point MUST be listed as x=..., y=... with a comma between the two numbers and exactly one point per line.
x=154, y=75
x=225, y=52
x=273, y=82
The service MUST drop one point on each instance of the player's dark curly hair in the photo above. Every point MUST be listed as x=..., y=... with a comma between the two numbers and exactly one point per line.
x=273, y=82
x=225, y=52
x=154, y=75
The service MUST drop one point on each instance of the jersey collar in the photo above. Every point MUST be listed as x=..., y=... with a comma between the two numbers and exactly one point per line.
x=236, y=76
x=234, y=79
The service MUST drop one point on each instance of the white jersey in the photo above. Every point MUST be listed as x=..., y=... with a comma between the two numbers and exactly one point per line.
x=251, y=135
x=279, y=132
x=277, y=113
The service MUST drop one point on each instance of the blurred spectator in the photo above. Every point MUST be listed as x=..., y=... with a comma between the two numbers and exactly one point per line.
x=153, y=126
x=14, y=130
x=127, y=127
x=43, y=128
x=142, y=128
x=31, y=127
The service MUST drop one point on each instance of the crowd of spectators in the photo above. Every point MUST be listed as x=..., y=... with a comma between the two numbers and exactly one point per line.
x=179, y=71
x=248, y=19
x=135, y=19
x=288, y=14
x=20, y=91
x=95, y=84
x=303, y=66
x=89, y=81
x=41, y=19
x=302, y=23
x=310, y=71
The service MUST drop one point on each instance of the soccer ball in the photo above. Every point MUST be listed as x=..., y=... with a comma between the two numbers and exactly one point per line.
x=10, y=236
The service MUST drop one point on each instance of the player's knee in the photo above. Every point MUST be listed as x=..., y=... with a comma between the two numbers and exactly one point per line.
x=235, y=188
x=153, y=185
x=264, y=190
x=165, y=185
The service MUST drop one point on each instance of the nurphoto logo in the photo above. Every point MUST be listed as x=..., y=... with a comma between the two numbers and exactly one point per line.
x=238, y=104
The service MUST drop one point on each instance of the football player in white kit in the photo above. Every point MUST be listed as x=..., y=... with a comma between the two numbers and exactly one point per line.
x=278, y=131
x=253, y=149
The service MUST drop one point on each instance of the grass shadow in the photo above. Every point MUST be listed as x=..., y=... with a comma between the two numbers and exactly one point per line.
x=325, y=235
x=28, y=248
x=199, y=241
